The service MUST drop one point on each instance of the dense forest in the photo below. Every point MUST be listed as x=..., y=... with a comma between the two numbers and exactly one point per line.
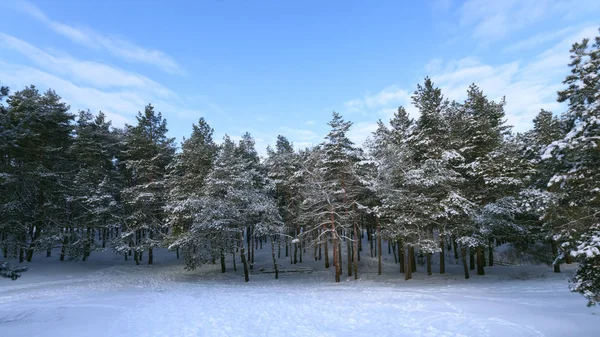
x=457, y=179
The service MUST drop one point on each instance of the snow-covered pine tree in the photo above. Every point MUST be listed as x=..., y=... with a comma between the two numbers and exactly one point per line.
x=282, y=163
x=37, y=170
x=146, y=153
x=93, y=206
x=185, y=183
x=434, y=178
x=485, y=131
x=579, y=175
x=540, y=207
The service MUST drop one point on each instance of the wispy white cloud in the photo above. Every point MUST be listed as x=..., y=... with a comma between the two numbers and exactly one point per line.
x=493, y=20
x=528, y=86
x=391, y=95
x=118, y=47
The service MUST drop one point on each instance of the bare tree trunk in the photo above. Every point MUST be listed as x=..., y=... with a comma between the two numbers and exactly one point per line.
x=480, y=261
x=349, y=256
x=555, y=263
x=491, y=252
x=223, y=267
x=428, y=263
x=336, y=255
x=408, y=269
x=326, y=250
x=442, y=256
x=471, y=259
x=274, y=259
x=394, y=251
x=244, y=262
x=413, y=260
x=463, y=251
x=378, y=247
x=356, y=237
x=340, y=261
x=279, y=246
x=233, y=260
x=454, y=245
x=401, y=257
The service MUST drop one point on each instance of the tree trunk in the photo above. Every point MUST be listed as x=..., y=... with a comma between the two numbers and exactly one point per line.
x=408, y=269
x=442, y=256
x=340, y=261
x=150, y=255
x=244, y=262
x=233, y=261
x=480, y=261
x=279, y=246
x=223, y=267
x=349, y=257
x=336, y=255
x=326, y=250
x=378, y=248
x=136, y=257
x=295, y=253
x=274, y=259
x=63, y=249
x=455, y=248
x=394, y=251
x=21, y=253
x=568, y=257
x=471, y=259
x=463, y=251
x=428, y=263
x=355, y=250
x=413, y=261
x=401, y=257
x=177, y=253
x=491, y=252
x=556, y=262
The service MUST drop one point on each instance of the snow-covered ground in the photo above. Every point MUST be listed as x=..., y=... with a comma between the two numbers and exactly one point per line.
x=109, y=297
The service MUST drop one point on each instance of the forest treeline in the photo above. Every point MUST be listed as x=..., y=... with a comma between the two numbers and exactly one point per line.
x=455, y=178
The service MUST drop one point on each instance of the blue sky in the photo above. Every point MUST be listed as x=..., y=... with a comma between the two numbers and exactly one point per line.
x=282, y=67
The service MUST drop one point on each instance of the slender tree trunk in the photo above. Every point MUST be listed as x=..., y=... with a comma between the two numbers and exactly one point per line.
x=463, y=251
x=442, y=256
x=340, y=261
x=274, y=259
x=136, y=258
x=480, y=261
x=454, y=245
x=244, y=262
x=428, y=263
x=233, y=261
x=295, y=253
x=279, y=246
x=401, y=257
x=336, y=255
x=394, y=251
x=349, y=257
x=320, y=251
x=378, y=247
x=408, y=269
x=177, y=253
x=21, y=254
x=326, y=250
x=471, y=259
x=223, y=267
x=491, y=252
x=356, y=237
x=555, y=263
x=413, y=261
x=63, y=249
x=150, y=255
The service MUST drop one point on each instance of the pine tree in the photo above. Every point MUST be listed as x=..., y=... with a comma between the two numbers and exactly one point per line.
x=146, y=153
x=37, y=169
x=185, y=185
x=94, y=203
x=578, y=178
